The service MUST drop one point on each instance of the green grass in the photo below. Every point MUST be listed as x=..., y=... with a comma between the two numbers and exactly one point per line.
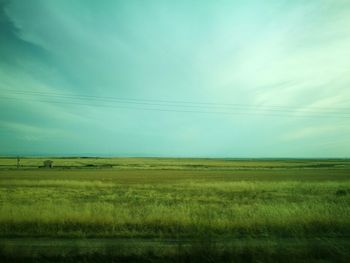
x=114, y=250
x=172, y=163
x=301, y=200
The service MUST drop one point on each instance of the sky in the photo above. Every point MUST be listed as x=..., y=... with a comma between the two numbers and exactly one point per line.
x=233, y=79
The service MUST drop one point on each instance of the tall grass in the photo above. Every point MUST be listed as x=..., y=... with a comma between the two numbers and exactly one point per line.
x=256, y=215
x=187, y=209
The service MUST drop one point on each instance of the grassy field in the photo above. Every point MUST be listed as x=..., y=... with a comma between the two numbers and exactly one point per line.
x=189, y=209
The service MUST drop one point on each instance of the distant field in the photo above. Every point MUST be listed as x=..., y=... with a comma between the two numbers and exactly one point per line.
x=236, y=209
x=171, y=163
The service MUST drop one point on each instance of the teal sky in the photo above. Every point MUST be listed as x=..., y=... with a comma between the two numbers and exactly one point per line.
x=263, y=58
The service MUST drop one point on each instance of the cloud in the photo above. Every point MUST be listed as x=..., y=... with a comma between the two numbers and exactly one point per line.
x=279, y=53
x=32, y=132
x=316, y=132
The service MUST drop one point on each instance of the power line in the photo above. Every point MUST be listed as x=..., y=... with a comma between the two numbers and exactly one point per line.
x=153, y=102
x=232, y=112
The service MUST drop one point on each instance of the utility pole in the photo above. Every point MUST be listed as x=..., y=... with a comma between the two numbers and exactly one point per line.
x=18, y=162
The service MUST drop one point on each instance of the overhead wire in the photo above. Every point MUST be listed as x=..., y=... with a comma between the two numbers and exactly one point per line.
x=172, y=106
x=164, y=102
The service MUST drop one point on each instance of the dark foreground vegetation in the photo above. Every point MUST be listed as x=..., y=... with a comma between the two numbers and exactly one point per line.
x=175, y=210
x=242, y=250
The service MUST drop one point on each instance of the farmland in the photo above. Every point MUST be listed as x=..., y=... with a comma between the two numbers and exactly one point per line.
x=153, y=209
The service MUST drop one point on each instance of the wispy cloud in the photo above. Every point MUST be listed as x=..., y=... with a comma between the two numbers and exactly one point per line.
x=30, y=132
x=316, y=132
x=277, y=53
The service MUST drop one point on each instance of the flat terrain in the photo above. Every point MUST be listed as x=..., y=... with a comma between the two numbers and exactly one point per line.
x=151, y=209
